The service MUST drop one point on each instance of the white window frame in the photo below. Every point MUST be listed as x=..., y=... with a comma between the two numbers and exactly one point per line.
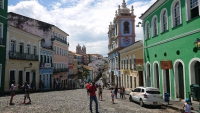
x=35, y=50
x=1, y=30
x=161, y=20
x=147, y=23
x=188, y=9
x=2, y=7
x=0, y=73
x=28, y=45
x=15, y=43
x=173, y=13
x=153, y=26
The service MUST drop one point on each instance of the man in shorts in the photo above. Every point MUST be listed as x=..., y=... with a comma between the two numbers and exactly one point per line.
x=26, y=89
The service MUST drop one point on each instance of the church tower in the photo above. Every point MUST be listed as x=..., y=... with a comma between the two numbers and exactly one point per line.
x=84, y=49
x=78, y=49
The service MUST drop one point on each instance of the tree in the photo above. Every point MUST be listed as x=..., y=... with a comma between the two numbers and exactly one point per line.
x=85, y=73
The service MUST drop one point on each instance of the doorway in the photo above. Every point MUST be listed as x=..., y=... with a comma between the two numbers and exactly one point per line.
x=181, y=80
x=166, y=81
x=156, y=75
x=141, y=83
x=28, y=77
x=12, y=78
x=197, y=74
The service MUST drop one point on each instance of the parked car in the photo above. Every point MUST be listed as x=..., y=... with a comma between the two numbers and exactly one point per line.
x=146, y=96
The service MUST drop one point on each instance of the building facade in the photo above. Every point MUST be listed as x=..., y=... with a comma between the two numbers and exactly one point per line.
x=22, y=60
x=131, y=66
x=172, y=62
x=121, y=34
x=3, y=35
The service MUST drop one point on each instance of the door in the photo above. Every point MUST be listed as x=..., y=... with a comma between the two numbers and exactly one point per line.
x=141, y=83
x=20, y=79
x=181, y=81
x=12, y=78
x=28, y=77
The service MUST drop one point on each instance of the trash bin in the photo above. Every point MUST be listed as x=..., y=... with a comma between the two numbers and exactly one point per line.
x=167, y=97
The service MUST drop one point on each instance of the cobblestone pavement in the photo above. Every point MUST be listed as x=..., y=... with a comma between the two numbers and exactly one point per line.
x=73, y=101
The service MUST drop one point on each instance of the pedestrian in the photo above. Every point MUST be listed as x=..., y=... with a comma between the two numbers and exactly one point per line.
x=121, y=93
x=26, y=89
x=124, y=92
x=92, y=91
x=187, y=106
x=87, y=86
x=112, y=94
x=116, y=91
x=100, y=92
x=12, y=93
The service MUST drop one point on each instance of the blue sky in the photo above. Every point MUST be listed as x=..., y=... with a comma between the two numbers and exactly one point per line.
x=86, y=21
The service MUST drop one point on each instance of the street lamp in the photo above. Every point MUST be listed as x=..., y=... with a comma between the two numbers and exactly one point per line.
x=197, y=43
x=30, y=65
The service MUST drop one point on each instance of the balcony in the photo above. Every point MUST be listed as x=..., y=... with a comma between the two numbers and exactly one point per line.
x=60, y=70
x=59, y=39
x=22, y=56
x=51, y=47
x=46, y=65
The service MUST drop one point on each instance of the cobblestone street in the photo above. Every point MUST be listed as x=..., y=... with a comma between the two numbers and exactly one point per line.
x=73, y=101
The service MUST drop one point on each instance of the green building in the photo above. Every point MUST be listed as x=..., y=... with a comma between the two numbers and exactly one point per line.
x=172, y=62
x=3, y=35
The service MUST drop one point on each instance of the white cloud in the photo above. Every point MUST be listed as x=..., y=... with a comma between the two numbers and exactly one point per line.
x=86, y=21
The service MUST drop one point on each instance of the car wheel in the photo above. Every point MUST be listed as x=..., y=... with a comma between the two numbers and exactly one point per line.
x=130, y=99
x=141, y=103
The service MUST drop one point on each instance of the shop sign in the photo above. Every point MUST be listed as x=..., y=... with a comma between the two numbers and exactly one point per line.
x=139, y=68
x=166, y=64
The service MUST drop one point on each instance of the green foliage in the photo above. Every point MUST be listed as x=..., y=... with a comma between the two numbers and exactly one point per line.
x=85, y=72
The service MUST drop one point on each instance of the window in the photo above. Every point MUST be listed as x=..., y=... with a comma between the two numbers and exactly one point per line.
x=13, y=46
x=164, y=20
x=1, y=4
x=21, y=48
x=60, y=51
x=126, y=27
x=155, y=29
x=176, y=13
x=48, y=59
x=192, y=9
x=130, y=63
x=134, y=62
x=28, y=49
x=0, y=73
x=127, y=63
x=34, y=50
x=1, y=30
x=45, y=59
x=57, y=50
x=147, y=31
x=20, y=79
x=116, y=29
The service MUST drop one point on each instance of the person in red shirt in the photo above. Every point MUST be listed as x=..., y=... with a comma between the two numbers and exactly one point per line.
x=92, y=91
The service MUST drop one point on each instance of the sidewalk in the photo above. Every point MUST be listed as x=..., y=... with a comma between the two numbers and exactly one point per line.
x=178, y=105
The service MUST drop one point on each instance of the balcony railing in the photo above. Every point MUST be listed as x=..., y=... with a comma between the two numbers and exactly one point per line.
x=22, y=56
x=1, y=41
x=51, y=47
x=60, y=70
x=46, y=65
x=59, y=39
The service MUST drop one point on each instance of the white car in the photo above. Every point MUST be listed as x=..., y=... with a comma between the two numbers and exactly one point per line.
x=146, y=96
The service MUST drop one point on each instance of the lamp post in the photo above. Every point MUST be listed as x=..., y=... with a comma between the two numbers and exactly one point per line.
x=30, y=65
x=197, y=43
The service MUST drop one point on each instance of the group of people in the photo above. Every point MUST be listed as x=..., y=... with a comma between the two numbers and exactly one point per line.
x=26, y=89
x=114, y=92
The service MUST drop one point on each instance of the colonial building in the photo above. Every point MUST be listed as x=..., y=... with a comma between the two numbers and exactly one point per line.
x=171, y=30
x=3, y=33
x=131, y=66
x=82, y=51
x=22, y=62
x=121, y=34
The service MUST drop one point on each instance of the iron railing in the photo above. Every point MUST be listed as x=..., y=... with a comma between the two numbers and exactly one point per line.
x=22, y=56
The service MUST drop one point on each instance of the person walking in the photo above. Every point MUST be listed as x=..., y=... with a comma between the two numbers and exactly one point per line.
x=187, y=106
x=112, y=94
x=116, y=91
x=124, y=92
x=121, y=93
x=26, y=89
x=92, y=91
x=100, y=92
x=12, y=93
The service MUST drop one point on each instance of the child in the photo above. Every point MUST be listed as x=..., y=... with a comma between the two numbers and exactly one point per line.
x=112, y=94
x=187, y=106
x=12, y=93
x=26, y=89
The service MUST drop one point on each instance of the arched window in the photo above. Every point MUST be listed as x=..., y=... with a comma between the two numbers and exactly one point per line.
x=126, y=27
x=192, y=9
x=147, y=30
x=176, y=13
x=155, y=27
x=164, y=20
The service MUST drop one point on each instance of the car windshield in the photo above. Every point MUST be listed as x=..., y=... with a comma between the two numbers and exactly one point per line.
x=153, y=92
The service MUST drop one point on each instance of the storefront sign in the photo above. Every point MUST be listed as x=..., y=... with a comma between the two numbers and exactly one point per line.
x=167, y=64
x=139, y=68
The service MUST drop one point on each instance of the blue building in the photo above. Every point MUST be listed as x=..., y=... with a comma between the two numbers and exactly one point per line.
x=46, y=68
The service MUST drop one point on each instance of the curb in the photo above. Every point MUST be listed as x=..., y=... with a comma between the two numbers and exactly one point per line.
x=177, y=108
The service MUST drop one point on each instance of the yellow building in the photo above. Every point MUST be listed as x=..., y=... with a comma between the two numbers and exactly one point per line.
x=75, y=66
x=22, y=61
x=131, y=66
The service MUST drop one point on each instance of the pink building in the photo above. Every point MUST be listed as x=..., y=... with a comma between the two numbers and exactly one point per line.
x=60, y=57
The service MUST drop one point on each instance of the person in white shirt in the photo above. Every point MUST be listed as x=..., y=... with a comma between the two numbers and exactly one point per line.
x=187, y=106
x=12, y=93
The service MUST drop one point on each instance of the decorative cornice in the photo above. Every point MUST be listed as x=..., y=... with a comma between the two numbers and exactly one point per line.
x=173, y=38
